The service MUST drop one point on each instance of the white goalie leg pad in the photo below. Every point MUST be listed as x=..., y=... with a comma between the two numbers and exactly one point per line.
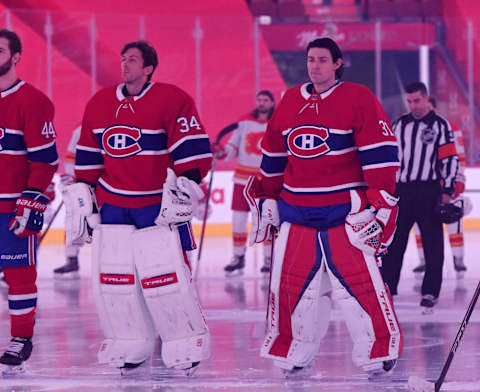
x=125, y=320
x=309, y=320
x=359, y=322
x=170, y=296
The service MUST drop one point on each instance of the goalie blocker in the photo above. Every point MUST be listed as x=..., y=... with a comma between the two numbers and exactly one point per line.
x=142, y=290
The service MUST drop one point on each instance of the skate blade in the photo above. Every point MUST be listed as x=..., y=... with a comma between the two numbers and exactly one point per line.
x=9, y=371
x=418, y=275
x=234, y=274
x=167, y=373
x=427, y=311
x=141, y=370
x=74, y=275
x=460, y=274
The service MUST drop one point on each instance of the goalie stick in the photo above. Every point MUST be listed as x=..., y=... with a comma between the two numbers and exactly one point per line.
x=45, y=232
x=420, y=385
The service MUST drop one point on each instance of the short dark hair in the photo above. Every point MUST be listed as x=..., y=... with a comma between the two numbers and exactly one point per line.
x=267, y=93
x=14, y=43
x=332, y=46
x=433, y=101
x=149, y=55
x=416, y=86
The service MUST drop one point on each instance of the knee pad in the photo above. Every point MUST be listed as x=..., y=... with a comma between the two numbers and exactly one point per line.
x=170, y=296
x=124, y=317
x=293, y=337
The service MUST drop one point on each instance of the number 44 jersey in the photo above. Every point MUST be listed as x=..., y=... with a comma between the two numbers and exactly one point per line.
x=128, y=142
x=28, y=153
x=319, y=146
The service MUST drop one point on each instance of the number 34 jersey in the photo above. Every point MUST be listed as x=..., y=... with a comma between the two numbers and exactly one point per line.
x=128, y=142
x=319, y=146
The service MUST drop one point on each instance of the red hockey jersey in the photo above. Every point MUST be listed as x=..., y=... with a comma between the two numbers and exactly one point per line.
x=28, y=152
x=319, y=146
x=127, y=143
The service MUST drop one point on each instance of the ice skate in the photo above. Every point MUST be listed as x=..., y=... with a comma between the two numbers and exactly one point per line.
x=14, y=357
x=69, y=270
x=292, y=372
x=427, y=303
x=459, y=266
x=236, y=266
x=380, y=369
x=134, y=369
x=182, y=370
x=266, y=265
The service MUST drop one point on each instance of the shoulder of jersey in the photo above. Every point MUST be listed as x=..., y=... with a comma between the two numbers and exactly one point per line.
x=34, y=94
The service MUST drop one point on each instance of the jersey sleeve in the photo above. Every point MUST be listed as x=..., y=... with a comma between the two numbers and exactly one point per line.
x=448, y=158
x=459, y=145
x=274, y=154
x=40, y=140
x=376, y=143
x=89, y=163
x=188, y=143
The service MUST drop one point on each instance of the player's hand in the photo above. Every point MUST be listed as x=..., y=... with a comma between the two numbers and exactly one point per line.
x=29, y=210
x=219, y=151
x=179, y=199
x=265, y=216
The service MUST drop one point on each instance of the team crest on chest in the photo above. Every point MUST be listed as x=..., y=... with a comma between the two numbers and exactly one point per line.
x=121, y=141
x=308, y=141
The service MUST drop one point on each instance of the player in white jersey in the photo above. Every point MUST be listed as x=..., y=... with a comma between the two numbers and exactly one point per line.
x=244, y=145
x=70, y=269
x=455, y=229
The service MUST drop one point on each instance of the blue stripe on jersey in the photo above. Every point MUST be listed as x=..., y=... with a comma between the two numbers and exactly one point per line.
x=340, y=142
x=12, y=142
x=190, y=148
x=87, y=158
x=149, y=142
x=47, y=155
x=379, y=155
x=273, y=165
x=22, y=303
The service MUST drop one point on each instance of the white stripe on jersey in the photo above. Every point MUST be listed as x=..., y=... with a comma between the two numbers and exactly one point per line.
x=325, y=189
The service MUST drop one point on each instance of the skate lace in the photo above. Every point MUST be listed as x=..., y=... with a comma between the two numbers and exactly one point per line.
x=15, y=347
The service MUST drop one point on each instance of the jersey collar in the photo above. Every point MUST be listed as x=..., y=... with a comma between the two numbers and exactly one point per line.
x=13, y=88
x=121, y=97
x=308, y=91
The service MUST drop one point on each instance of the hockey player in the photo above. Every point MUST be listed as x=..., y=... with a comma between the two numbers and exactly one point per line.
x=144, y=148
x=327, y=178
x=28, y=160
x=244, y=145
x=70, y=269
x=455, y=229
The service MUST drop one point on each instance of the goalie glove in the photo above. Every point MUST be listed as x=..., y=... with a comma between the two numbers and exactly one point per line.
x=81, y=213
x=29, y=210
x=371, y=223
x=265, y=216
x=179, y=199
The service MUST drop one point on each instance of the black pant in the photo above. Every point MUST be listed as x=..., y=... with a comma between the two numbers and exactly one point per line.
x=417, y=204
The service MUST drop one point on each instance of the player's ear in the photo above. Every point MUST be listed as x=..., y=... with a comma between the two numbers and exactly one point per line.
x=338, y=63
x=16, y=58
x=148, y=70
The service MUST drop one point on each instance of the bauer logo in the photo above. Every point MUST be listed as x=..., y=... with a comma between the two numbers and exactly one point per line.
x=121, y=141
x=117, y=279
x=308, y=141
x=161, y=280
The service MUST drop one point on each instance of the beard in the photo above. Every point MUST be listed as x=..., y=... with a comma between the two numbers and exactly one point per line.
x=6, y=66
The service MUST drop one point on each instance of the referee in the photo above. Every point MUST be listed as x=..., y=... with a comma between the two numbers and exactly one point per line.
x=428, y=165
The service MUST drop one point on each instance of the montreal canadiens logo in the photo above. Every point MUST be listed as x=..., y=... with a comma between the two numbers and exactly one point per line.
x=120, y=141
x=308, y=141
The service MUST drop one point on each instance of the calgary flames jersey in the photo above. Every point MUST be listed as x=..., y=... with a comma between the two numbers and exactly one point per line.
x=319, y=146
x=246, y=142
x=128, y=142
x=28, y=152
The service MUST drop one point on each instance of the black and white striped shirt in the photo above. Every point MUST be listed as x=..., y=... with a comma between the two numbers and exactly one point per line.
x=426, y=150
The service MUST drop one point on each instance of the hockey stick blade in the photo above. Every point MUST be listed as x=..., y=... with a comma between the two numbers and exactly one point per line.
x=417, y=384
